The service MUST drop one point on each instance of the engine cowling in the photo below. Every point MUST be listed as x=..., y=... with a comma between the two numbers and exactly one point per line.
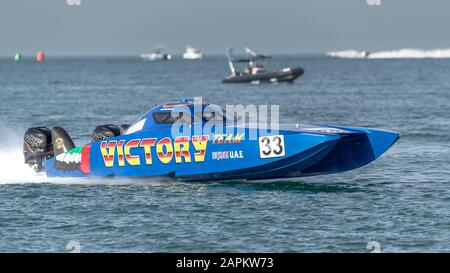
x=106, y=131
x=37, y=147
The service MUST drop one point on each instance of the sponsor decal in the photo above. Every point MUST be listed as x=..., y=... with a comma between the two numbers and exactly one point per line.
x=71, y=156
x=59, y=143
x=227, y=155
x=166, y=149
x=227, y=138
x=85, y=159
x=75, y=159
x=33, y=141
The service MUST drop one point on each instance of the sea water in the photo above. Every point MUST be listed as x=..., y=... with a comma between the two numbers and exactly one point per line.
x=401, y=202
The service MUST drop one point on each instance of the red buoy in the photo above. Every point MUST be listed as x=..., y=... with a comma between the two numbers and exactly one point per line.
x=40, y=56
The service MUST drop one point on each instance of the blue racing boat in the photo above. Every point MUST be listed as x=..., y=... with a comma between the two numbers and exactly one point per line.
x=194, y=141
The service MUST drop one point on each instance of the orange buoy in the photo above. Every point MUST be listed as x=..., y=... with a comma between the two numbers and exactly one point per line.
x=40, y=56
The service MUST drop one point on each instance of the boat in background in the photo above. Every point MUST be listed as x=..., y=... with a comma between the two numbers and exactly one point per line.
x=256, y=72
x=349, y=54
x=156, y=54
x=405, y=53
x=192, y=53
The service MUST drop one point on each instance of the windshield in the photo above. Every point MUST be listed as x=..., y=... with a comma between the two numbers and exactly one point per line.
x=209, y=116
x=171, y=117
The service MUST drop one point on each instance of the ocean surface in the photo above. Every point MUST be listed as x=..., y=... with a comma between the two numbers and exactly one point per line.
x=400, y=202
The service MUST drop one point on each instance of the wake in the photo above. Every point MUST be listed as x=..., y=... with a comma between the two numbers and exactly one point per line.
x=13, y=170
x=407, y=53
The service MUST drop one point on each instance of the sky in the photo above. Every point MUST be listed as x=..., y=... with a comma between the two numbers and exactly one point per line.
x=128, y=27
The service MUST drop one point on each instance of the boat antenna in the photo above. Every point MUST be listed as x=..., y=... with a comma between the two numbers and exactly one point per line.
x=252, y=56
x=229, y=52
x=250, y=52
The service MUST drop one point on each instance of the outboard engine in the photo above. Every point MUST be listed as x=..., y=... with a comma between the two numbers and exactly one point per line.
x=41, y=143
x=103, y=132
x=37, y=147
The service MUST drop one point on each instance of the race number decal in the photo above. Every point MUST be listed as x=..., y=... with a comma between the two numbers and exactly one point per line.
x=271, y=146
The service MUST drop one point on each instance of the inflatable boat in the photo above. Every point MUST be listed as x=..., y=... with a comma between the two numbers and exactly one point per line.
x=256, y=72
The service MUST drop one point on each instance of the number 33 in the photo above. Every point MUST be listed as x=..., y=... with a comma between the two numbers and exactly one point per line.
x=271, y=146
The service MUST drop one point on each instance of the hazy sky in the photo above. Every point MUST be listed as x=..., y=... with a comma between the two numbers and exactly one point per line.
x=275, y=26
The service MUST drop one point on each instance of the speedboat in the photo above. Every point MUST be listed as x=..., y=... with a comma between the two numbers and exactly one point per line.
x=156, y=54
x=256, y=72
x=176, y=140
x=349, y=54
x=192, y=53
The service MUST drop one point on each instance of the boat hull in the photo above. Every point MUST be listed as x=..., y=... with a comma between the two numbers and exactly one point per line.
x=156, y=57
x=244, y=153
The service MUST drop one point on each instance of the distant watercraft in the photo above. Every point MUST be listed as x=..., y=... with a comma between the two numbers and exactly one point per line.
x=407, y=53
x=348, y=54
x=156, y=54
x=256, y=72
x=192, y=53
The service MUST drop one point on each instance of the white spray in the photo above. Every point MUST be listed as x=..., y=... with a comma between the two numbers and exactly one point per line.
x=13, y=170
